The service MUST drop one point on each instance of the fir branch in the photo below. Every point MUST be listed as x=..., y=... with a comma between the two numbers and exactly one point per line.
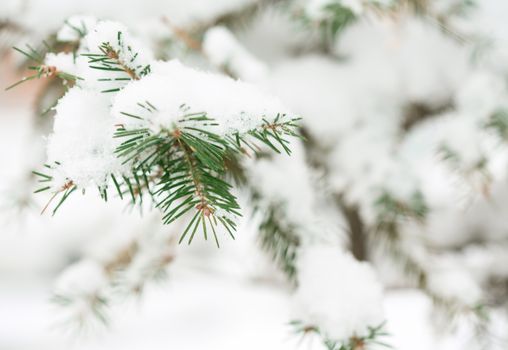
x=191, y=172
x=271, y=134
x=476, y=174
x=110, y=60
x=390, y=209
x=42, y=70
x=80, y=31
x=65, y=190
x=202, y=189
x=114, y=56
x=97, y=304
x=183, y=167
x=191, y=162
x=278, y=238
x=498, y=123
x=391, y=213
x=119, y=278
x=373, y=338
x=336, y=17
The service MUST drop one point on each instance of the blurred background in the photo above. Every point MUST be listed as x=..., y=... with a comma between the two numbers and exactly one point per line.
x=404, y=112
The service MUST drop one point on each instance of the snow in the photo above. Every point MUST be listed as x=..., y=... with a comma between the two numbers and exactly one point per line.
x=355, y=102
x=49, y=16
x=131, y=51
x=84, y=278
x=285, y=182
x=155, y=248
x=491, y=258
x=362, y=105
x=318, y=9
x=398, y=47
x=335, y=112
x=336, y=293
x=80, y=289
x=82, y=139
x=196, y=296
x=64, y=62
x=75, y=27
x=169, y=315
x=224, y=50
x=481, y=95
x=361, y=101
x=176, y=90
x=451, y=284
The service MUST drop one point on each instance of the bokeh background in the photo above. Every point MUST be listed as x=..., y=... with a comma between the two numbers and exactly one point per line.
x=382, y=66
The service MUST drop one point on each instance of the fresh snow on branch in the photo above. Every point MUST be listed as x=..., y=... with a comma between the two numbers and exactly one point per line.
x=337, y=294
x=395, y=177
x=224, y=50
x=176, y=90
x=82, y=146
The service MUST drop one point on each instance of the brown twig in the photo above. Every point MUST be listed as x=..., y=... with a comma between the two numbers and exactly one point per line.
x=69, y=184
x=183, y=35
x=114, y=56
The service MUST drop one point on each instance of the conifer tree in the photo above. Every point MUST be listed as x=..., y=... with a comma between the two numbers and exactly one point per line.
x=380, y=146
